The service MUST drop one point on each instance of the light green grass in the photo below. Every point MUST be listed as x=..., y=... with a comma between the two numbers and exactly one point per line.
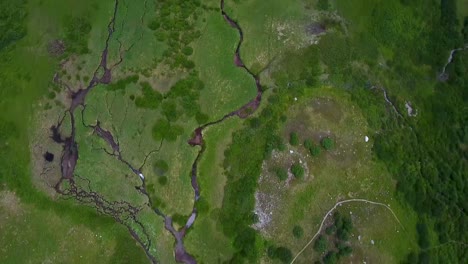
x=31, y=235
x=276, y=26
x=206, y=231
x=227, y=87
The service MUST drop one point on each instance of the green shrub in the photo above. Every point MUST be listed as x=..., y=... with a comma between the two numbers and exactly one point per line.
x=330, y=258
x=308, y=144
x=321, y=244
x=315, y=151
x=281, y=253
x=298, y=232
x=160, y=167
x=187, y=50
x=281, y=173
x=328, y=143
x=154, y=24
x=297, y=170
x=165, y=130
x=293, y=139
x=162, y=180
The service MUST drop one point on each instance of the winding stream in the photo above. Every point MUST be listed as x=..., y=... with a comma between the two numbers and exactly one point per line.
x=443, y=76
x=181, y=255
x=69, y=158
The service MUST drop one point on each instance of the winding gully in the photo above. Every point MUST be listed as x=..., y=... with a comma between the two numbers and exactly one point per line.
x=123, y=210
x=181, y=255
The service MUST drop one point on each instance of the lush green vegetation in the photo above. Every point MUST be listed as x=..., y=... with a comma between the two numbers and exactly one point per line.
x=12, y=28
x=298, y=232
x=293, y=139
x=243, y=162
x=297, y=170
x=424, y=154
x=327, y=143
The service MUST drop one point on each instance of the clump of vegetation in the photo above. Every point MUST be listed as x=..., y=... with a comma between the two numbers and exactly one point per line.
x=12, y=28
x=328, y=143
x=254, y=143
x=163, y=129
x=160, y=167
x=281, y=253
x=293, y=139
x=297, y=170
x=312, y=147
x=298, y=232
x=77, y=34
x=123, y=83
x=343, y=225
x=330, y=258
x=162, y=180
x=281, y=173
x=321, y=244
x=323, y=5
x=151, y=98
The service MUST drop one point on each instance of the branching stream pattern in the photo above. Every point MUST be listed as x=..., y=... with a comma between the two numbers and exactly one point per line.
x=122, y=211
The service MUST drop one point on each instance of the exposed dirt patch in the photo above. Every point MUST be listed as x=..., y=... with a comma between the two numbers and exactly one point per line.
x=10, y=203
x=56, y=47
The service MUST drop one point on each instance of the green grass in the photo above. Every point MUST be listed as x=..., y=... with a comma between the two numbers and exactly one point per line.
x=216, y=247
x=227, y=87
x=280, y=27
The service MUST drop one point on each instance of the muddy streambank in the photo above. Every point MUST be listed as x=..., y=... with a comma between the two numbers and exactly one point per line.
x=120, y=210
x=181, y=255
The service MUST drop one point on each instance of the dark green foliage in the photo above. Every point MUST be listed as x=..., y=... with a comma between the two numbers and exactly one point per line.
x=186, y=93
x=12, y=28
x=330, y=258
x=154, y=24
x=169, y=110
x=243, y=163
x=330, y=230
x=163, y=129
x=323, y=5
x=343, y=226
x=312, y=147
x=245, y=243
x=297, y=170
x=328, y=143
x=298, y=232
x=321, y=244
x=174, y=24
x=202, y=205
x=281, y=173
x=281, y=253
x=77, y=34
x=423, y=236
x=293, y=139
x=151, y=99
x=162, y=180
x=122, y=83
x=315, y=151
x=308, y=144
x=187, y=50
x=343, y=250
x=201, y=118
x=160, y=167
x=179, y=219
x=465, y=30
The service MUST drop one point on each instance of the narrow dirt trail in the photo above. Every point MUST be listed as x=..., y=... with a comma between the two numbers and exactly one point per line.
x=334, y=208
